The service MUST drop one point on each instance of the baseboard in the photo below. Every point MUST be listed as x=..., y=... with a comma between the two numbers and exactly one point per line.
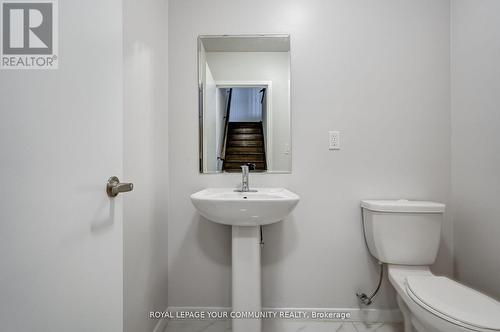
x=355, y=314
x=162, y=324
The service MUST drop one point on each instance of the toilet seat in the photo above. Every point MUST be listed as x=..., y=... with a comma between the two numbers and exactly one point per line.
x=454, y=302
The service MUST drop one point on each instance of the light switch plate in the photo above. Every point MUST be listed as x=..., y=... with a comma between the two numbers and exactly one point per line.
x=334, y=140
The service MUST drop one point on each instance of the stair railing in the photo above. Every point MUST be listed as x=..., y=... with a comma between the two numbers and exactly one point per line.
x=226, y=126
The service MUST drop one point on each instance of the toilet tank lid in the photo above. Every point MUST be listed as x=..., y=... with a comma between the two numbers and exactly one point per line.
x=403, y=205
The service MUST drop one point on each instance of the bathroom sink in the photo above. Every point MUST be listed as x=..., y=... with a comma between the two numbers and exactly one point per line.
x=263, y=207
x=245, y=212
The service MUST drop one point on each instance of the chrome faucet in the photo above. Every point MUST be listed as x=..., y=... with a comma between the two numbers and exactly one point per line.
x=245, y=171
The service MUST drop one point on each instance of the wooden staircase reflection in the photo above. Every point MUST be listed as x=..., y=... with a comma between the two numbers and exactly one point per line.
x=245, y=144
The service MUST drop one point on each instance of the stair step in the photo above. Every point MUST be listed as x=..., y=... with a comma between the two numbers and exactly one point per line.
x=245, y=124
x=245, y=137
x=253, y=158
x=244, y=143
x=245, y=150
x=244, y=130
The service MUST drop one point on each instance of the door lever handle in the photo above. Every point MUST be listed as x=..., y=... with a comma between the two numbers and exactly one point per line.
x=114, y=187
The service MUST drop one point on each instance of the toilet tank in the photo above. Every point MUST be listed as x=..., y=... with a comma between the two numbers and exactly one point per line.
x=401, y=231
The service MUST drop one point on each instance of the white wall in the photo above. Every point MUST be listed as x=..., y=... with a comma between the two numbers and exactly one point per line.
x=376, y=71
x=262, y=66
x=210, y=123
x=476, y=142
x=145, y=161
x=246, y=105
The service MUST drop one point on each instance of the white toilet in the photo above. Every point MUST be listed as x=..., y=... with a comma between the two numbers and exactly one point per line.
x=405, y=235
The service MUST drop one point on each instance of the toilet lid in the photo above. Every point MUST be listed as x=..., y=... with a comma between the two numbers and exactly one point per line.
x=456, y=301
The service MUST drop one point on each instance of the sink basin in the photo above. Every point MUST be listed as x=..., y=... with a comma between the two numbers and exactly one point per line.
x=225, y=206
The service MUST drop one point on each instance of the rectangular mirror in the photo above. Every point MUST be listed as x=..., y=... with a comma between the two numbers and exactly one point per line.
x=244, y=100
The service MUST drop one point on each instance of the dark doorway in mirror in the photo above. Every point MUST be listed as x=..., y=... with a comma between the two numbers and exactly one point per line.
x=244, y=140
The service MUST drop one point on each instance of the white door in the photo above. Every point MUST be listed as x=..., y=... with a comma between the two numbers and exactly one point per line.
x=60, y=140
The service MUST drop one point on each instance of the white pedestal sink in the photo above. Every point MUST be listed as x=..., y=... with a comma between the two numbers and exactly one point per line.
x=245, y=212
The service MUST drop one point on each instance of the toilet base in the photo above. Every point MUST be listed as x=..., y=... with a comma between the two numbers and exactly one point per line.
x=406, y=314
x=411, y=324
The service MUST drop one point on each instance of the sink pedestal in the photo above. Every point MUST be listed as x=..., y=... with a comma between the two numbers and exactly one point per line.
x=246, y=288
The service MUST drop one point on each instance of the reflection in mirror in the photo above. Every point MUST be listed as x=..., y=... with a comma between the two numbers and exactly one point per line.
x=244, y=91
